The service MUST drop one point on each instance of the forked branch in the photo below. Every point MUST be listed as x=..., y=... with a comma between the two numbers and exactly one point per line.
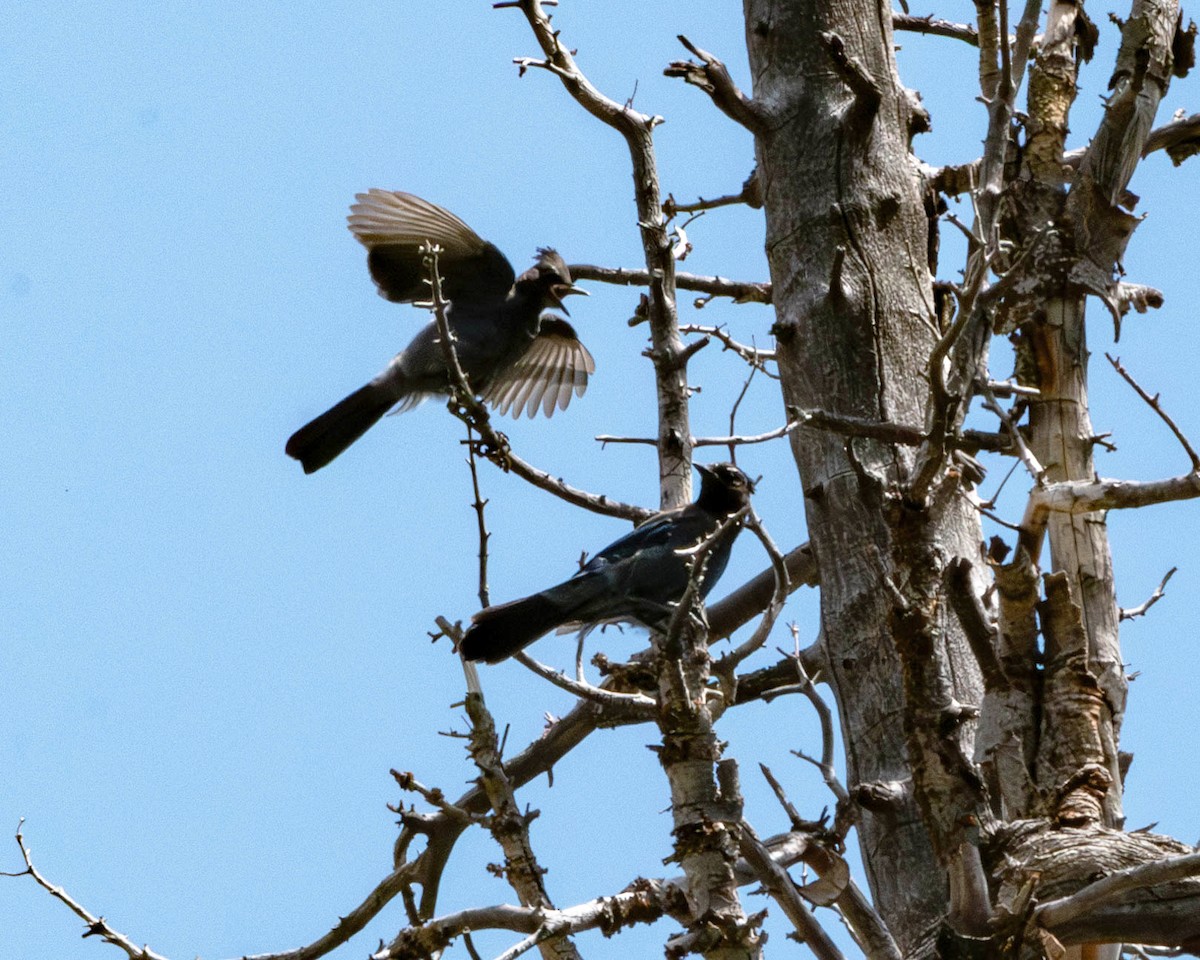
x=712, y=76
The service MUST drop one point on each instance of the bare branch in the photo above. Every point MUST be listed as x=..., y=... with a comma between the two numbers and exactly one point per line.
x=1140, y=610
x=674, y=456
x=1103, y=892
x=1036, y=470
x=789, y=808
x=606, y=438
x=1157, y=408
x=1008, y=388
x=432, y=795
x=850, y=426
x=981, y=632
x=510, y=828
x=825, y=716
x=479, y=504
x=730, y=661
x=752, y=597
x=945, y=407
x=96, y=926
x=935, y=26
x=712, y=76
x=781, y=888
x=636, y=701
x=645, y=902
x=597, y=503
x=1081, y=496
x=867, y=94
x=733, y=411
x=671, y=207
x=1180, y=139
x=751, y=354
x=738, y=441
x=741, y=291
x=750, y=195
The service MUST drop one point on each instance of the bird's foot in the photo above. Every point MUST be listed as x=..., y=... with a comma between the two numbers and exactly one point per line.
x=495, y=448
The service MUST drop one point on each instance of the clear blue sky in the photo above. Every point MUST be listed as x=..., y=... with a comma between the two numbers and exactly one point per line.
x=211, y=661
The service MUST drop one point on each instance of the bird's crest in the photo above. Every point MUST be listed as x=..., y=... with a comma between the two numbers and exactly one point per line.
x=550, y=265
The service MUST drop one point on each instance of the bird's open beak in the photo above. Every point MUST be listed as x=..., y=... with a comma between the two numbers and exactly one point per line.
x=560, y=290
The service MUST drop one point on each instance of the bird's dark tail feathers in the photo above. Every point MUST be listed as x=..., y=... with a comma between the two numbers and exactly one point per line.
x=500, y=631
x=319, y=442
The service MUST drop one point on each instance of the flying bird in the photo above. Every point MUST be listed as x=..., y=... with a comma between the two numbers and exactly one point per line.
x=638, y=578
x=514, y=356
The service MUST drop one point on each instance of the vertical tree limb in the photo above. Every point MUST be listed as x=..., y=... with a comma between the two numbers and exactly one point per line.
x=666, y=347
x=852, y=329
x=509, y=826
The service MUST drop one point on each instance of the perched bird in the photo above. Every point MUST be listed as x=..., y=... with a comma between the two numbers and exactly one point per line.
x=514, y=357
x=638, y=578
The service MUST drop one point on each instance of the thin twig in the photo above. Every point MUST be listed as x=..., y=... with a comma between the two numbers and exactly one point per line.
x=730, y=661
x=798, y=823
x=433, y=796
x=825, y=717
x=751, y=354
x=672, y=207
x=730, y=442
x=750, y=194
x=96, y=926
x=484, y=536
x=1132, y=613
x=587, y=691
x=1036, y=470
x=751, y=598
x=741, y=291
x=844, y=425
x=734, y=409
x=1157, y=408
x=935, y=26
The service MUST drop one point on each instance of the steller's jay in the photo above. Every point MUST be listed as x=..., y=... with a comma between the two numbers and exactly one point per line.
x=638, y=578
x=514, y=357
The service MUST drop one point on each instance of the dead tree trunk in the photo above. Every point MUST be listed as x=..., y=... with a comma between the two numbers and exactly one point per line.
x=847, y=244
x=895, y=529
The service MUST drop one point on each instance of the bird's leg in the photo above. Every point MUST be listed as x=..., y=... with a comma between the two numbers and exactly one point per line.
x=493, y=446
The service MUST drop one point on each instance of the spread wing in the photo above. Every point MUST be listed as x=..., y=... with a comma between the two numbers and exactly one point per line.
x=393, y=226
x=555, y=366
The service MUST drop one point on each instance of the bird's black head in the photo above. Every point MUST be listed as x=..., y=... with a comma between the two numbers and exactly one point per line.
x=724, y=489
x=550, y=278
